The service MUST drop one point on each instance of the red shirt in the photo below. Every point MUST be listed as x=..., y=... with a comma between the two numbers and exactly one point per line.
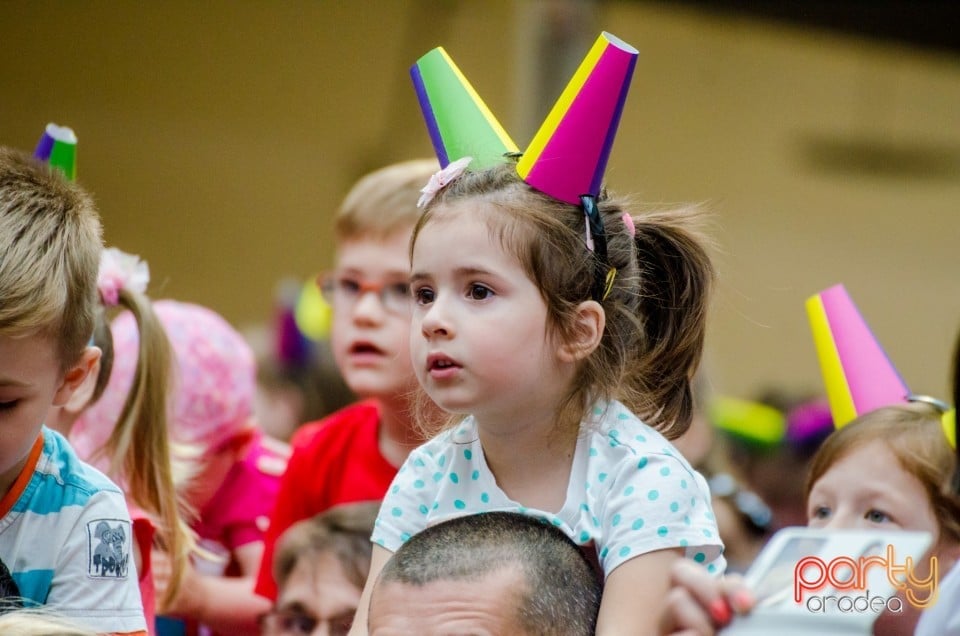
x=335, y=460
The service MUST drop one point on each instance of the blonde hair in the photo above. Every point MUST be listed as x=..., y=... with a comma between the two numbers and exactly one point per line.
x=40, y=622
x=914, y=434
x=656, y=307
x=139, y=447
x=383, y=201
x=50, y=243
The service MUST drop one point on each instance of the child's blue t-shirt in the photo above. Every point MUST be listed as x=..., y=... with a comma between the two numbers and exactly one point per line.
x=65, y=535
x=630, y=492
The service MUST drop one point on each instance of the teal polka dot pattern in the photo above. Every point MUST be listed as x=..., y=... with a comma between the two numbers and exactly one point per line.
x=699, y=557
x=629, y=492
x=404, y=536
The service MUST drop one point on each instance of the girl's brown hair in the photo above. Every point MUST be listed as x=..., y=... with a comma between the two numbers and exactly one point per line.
x=914, y=434
x=655, y=309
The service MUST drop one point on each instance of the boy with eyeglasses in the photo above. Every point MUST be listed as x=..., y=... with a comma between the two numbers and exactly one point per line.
x=353, y=454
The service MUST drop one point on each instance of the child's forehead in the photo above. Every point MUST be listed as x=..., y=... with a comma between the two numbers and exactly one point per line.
x=379, y=253
x=25, y=359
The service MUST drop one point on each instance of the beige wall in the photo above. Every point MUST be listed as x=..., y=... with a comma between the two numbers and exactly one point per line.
x=219, y=136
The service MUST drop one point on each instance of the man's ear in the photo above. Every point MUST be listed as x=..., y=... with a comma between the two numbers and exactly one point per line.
x=586, y=332
x=88, y=365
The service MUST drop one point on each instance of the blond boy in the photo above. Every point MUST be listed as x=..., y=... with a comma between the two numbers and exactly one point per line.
x=64, y=527
x=353, y=454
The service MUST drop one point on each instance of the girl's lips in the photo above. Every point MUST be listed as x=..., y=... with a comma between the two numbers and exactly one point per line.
x=363, y=353
x=362, y=348
x=440, y=366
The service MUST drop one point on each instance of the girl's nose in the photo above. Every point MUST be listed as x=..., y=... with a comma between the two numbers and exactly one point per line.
x=436, y=322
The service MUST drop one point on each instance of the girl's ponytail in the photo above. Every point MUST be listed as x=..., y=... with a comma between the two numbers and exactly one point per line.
x=125, y=423
x=139, y=445
x=676, y=276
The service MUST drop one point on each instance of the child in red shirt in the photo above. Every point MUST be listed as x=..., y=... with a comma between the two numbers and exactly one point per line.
x=353, y=454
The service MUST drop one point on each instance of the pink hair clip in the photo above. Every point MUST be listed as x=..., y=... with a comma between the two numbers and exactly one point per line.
x=628, y=221
x=118, y=271
x=442, y=178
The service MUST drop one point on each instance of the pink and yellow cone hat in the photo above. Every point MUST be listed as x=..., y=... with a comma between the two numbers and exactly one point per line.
x=858, y=374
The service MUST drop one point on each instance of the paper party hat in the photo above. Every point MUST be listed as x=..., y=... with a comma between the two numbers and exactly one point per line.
x=568, y=155
x=857, y=372
x=58, y=147
x=459, y=122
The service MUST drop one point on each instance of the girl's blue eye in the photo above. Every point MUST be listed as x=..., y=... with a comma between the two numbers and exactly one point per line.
x=479, y=292
x=876, y=516
x=820, y=512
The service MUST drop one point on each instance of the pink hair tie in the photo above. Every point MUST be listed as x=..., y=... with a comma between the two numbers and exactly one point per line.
x=441, y=178
x=628, y=222
x=118, y=271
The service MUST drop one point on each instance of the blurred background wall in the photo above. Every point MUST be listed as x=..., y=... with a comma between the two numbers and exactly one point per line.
x=218, y=138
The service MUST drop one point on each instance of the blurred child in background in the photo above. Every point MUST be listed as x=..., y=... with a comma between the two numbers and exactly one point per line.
x=354, y=454
x=136, y=450
x=320, y=566
x=888, y=469
x=234, y=470
x=770, y=440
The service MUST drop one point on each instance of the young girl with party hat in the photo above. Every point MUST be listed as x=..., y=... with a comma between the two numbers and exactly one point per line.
x=888, y=466
x=562, y=334
x=136, y=452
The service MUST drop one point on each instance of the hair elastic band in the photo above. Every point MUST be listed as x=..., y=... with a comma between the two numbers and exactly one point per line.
x=119, y=271
x=938, y=404
x=596, y=239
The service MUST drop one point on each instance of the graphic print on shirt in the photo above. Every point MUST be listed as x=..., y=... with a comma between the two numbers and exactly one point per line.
x=108, y=548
